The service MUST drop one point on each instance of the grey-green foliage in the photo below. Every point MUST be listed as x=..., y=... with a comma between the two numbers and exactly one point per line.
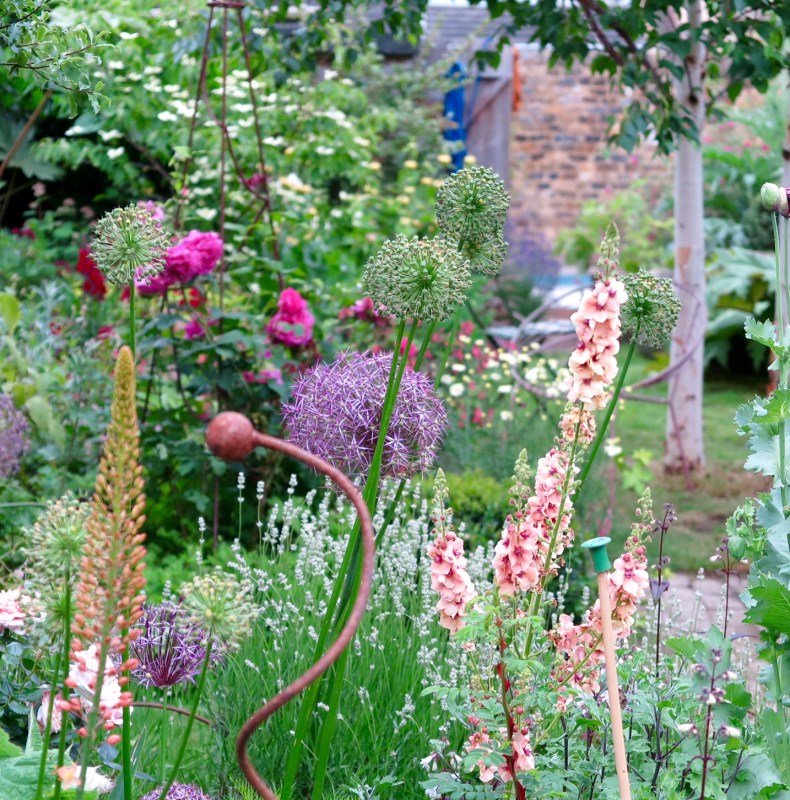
x=45, y=39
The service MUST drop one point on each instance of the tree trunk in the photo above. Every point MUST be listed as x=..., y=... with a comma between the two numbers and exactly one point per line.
x=684, y=444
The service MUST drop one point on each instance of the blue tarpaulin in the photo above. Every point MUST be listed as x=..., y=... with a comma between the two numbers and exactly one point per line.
x=454, y=106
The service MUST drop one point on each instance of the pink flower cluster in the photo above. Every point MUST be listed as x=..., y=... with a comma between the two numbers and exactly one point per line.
x=593, y=364
x=450, y=579
x=12, y=616
x=293, y=323
x=196, y=254
x=520, y=555
x=83, y=675
x=580, y=646
x=521, y=758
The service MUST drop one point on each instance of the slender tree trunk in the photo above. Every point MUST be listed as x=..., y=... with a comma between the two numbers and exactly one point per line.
x=773, y=376
x=684, y=446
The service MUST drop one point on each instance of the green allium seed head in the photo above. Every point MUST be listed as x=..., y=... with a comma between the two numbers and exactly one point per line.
x=485, y=256
x=775, y=199
x=56, y=540
x=222, y=605
x=652, y=308
x=129, y=243
x=472, y=205
x=417, y=278
x=54, y=550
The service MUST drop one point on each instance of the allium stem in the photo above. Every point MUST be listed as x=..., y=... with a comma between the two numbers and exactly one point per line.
x=596, y=445
x=342, y=582
x=425, y=343
x=42, y=767
x=354, y=575
x=190, y=721
x=162, y=738
x=126, y=750
x=93, y=716
x=447, y=350
x=132, y=319
x=66, y=648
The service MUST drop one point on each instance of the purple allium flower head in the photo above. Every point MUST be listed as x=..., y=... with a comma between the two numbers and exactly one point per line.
x=335, y=413
x=13, y=443
x=179, y=791
x=170, y=648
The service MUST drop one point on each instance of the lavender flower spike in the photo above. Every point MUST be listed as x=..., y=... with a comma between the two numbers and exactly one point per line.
x=13, y=443
x=335, y=413
x=170, y=648
x=179, y=791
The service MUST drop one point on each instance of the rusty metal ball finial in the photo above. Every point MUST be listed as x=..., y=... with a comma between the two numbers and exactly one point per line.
x=230, y=436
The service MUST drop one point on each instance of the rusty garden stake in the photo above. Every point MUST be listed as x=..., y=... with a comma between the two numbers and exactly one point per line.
x=597, y=548
x=232, y=437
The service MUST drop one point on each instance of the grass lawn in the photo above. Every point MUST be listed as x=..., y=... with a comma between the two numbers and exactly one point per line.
x=701, y=509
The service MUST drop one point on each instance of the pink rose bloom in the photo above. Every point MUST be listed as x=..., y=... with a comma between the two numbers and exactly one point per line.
x=264, y=376
x=293, y=322
x=194, y=330
x=154, y=209
x=11, y=614
x=196, y=254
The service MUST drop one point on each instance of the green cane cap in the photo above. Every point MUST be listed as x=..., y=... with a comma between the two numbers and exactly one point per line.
x=597, y=548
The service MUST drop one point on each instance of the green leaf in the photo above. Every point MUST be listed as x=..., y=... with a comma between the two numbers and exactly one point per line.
x=7, y=748
x=44, y=418
x=777, y=408
x=756, y=778
x=771, y=607
x=762, y=332
x=10, y=311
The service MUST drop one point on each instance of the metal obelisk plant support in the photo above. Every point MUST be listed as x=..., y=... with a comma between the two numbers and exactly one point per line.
x=224, y=14
x=231, y=436
x=597, y=548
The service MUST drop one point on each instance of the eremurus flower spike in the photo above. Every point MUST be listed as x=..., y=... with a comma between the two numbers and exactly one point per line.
x=109, y=594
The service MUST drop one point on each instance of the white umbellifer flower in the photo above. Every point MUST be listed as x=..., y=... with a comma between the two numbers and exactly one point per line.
x=456, y=389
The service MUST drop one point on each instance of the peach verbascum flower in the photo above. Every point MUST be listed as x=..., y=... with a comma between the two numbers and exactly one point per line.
x=592, y=364
x=580, y=647
x=521, y=554
x=448, y=566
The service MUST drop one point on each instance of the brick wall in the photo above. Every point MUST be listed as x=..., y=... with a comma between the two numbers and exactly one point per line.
x=558, y=153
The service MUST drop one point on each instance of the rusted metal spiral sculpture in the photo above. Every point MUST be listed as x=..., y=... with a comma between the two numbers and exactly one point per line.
x=232, y=437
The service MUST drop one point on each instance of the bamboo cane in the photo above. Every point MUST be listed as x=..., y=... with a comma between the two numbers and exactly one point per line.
x=597, y=548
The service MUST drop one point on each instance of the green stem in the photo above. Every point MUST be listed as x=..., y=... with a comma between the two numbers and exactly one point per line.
x=425, y=344
x=780, y=318
x=341, y=582
x=190, y=721
x=126, y=752
x=390, y=515
x=163, y=738
x=354, y=575
x=538, y=596
x=596, y=445
x=448, y=349
x=42, y=767
x=329, y=725
x=132, y=318
x=66, y=648
x=93, y=718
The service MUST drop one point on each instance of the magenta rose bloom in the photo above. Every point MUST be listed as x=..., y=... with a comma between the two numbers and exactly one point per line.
x=293, y=322
x=196, y=254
